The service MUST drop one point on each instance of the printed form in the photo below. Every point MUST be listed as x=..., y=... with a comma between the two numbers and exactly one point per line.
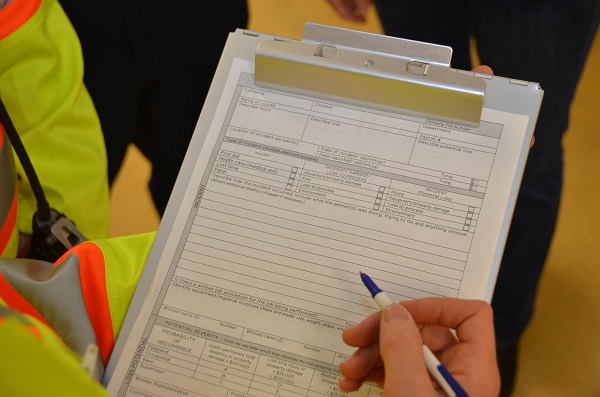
x=291, y=197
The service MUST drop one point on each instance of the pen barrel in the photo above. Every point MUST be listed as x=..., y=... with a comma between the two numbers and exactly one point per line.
x=433, y=366
x=382, y=300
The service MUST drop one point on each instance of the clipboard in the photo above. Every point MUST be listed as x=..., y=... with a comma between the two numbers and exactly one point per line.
x=361, y=76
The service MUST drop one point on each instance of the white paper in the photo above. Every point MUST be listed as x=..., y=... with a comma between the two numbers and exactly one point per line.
x=291, y=197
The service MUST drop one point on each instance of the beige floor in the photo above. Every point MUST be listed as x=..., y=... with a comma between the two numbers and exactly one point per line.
x=561, y=348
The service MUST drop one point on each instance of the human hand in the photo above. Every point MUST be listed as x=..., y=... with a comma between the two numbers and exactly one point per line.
x=483, y=69
x=390, y=348
x=354, y=10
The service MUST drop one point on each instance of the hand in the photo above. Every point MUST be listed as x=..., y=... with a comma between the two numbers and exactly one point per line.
x=354, y=10
x=390, y=352
x=483, y=69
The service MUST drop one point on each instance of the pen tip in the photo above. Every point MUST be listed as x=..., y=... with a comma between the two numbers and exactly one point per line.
x=359, y=272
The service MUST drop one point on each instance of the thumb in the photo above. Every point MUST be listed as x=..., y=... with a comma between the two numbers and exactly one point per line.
x=402, y=354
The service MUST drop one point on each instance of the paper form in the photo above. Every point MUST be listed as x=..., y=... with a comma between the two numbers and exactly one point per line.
x=290, y=198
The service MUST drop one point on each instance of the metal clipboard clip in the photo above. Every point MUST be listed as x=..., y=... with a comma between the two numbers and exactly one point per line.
x=363, y=68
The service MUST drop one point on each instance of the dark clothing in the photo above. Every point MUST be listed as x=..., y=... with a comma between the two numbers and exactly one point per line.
x=545, y=41
x=148, y=68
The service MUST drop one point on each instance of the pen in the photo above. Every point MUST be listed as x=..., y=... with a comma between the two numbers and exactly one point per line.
x=434, y=366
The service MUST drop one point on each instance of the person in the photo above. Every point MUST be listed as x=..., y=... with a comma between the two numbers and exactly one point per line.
x=41, y=73
x=38, y=335
x=50, y=315
x=44, y=328
x=148, y=68
x=390, y=348
x=546, y=41
x=58, y=321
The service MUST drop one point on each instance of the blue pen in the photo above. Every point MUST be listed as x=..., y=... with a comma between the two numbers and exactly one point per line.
x=434, y=366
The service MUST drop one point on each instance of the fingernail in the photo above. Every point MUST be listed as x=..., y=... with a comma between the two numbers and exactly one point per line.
x=394, y=313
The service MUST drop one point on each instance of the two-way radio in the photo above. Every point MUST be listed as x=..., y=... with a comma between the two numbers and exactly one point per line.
x=53, y=233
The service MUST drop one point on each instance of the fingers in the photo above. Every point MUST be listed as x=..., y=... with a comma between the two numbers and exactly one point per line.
x=447, y=313
x=354, y=10
x=474, y=354
x=361, y=362
x=364, y=365
x=362, y=8
x=402, y=354
x=364, y=333
x=399, y=347
x=472, y=319
x=437, y=337
x=468, y=352
x=483, y=69
x=376, y=375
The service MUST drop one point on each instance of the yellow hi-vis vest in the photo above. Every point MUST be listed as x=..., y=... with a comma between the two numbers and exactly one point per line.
x=41, y=85
x=50, y=314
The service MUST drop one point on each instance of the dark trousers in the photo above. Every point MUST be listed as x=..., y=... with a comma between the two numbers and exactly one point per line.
x=545, y=41
x=148, y=68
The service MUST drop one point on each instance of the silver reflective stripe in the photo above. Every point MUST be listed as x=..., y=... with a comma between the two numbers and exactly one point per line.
x=8, y=178
x=4, y=3
x=57, y=295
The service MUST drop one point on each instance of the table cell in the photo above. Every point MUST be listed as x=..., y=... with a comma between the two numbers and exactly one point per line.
x=362, y=392
x=372, y=390
x=174, y=384
x=167, y=355
x=279, y=371
x=224, y=373
x=260, y=389
x=326, y=383
x=173, y=365
x=230, y=357
x=229, y=382
x=228, y=369
x=288, y=345
x=176, y=340
x=340, y=358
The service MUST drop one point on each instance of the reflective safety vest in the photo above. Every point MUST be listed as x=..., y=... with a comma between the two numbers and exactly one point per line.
x=35, y=362
x=51, y=314
x=41, y=84
x=9, y=235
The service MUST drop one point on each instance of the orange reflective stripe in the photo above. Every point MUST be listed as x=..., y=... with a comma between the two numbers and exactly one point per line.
x=8, y=228
x=15, y=301
x=14, y=15
x=93, y=284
